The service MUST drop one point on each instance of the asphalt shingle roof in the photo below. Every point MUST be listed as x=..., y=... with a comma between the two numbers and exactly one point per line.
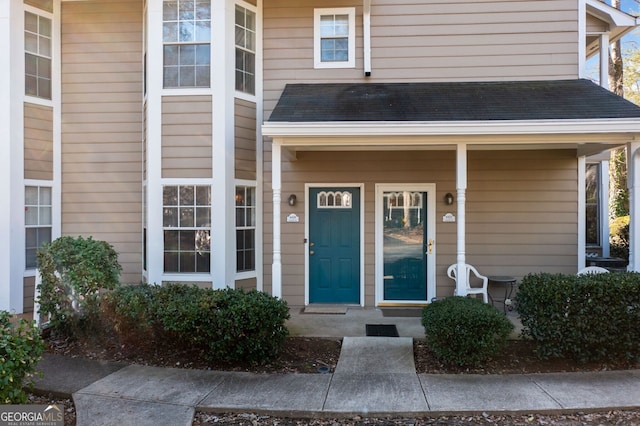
x=456, y=101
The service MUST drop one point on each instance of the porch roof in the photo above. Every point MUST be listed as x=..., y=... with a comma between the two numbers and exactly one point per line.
x=555, y=100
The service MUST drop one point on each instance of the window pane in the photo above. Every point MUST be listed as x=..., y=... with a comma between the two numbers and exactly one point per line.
x=203, y=217
x=31, y=237
x=341, y=25
x=31, y=64
x=44, y=67
x=203, y=241
x=187, y=76
x=31, y=259
x=44, y=235
x=170, y=196
x=187, y=262
x=169, y=32
x=187, y=54
x=171, y=240
x=45, y=216
x=203, y=195
x=31, y=215
x=592, y=233
x=45, y=27
x=203, y=31
x=31, y=22
x=187, y=31
x=186, y=217
x=170, y=78
x=240, y=217
x=187, y=240
x=45, y=196
x=44, y=88
x=170, y=217
x=44, y=46
x=31, y=195
x=240, y=37
x=203, y=262
x=31, y=42
x=187, y=195
x=203, y=10
x=203, y=55
x=170, y=11
x=250, y=22
x=186, y=10
x=171, y=262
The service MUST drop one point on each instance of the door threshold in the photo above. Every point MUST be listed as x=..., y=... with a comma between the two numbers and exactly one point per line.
x=325, y=309
x=402, y=305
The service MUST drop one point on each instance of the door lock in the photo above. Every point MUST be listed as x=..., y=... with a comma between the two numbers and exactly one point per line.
x=311, y=252
x=430, y=246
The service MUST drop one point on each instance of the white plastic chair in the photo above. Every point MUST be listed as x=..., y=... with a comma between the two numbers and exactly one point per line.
x=468, y=269
x=593, y=270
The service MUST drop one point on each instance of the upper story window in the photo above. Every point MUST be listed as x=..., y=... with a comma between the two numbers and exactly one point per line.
x=37, y=59
x=245, y=50
x=334, y=38
x=186, y=34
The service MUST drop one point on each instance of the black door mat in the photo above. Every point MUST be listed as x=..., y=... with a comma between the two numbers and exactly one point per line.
x=382, y=330
x=402, y=312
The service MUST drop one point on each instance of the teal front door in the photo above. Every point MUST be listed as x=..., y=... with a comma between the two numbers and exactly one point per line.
x=334, y=245
x=405, y=245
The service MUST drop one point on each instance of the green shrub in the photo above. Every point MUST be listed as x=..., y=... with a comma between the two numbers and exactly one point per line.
x=129, y=310
x=619, y=237
x=585, y=317
x=20, y=350
x=226, y=325
x=464, y=331
x=73, y=271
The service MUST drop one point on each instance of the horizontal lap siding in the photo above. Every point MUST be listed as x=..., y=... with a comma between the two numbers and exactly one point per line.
x=521, y=209
x=38, y=142
x=102, y=126
x=428, y=41
x=245, y=136
x=186, y=136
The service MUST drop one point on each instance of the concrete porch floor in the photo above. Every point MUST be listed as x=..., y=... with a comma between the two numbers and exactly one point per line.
x=353, y=322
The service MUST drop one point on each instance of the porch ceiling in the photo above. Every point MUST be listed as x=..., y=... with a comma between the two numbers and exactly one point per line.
x=558, y=114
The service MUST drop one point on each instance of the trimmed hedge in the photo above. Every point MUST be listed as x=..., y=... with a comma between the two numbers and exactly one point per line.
x=74, y=271
x=584, y=317
x=20, y=350
x=228, y=325
x=464, y=331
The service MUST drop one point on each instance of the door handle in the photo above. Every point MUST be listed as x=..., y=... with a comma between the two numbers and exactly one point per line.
x=430, y=246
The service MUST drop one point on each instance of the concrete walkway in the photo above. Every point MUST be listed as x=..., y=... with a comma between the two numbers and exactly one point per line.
x=375, y=376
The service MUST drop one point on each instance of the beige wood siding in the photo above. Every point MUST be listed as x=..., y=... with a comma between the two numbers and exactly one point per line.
x=247, y=284
x=38, y=142
x=438, y=40
x=102, y=126
x=245, y=134
x=186, y=136
x=595, y=25
x=521, y=210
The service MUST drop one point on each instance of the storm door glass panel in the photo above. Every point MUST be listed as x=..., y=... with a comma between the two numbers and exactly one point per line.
x=404, y=245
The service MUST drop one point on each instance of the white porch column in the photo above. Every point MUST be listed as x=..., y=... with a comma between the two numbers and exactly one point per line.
x=461, y=187
x=604, y=60
x=603, y=192
x=633, y=184
x=276, y=178
x=582, y=214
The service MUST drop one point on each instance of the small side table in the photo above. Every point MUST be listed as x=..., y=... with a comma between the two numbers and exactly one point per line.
x=508, y=283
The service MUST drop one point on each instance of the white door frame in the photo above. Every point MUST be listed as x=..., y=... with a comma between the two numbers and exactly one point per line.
x=307, y=188
x=430, y=190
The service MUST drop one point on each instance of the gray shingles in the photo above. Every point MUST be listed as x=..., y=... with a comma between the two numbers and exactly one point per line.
x=455, y=101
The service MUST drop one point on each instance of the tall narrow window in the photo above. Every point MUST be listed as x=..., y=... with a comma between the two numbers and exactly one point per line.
x=245, y=228
x=334, y=38
x=592, y=205
x=37, y=59
x=187, y=228
x=245, y=50
x=37, y=219
x=187, y=43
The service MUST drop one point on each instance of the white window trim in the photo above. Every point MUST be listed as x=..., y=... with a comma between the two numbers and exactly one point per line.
x=31, y=272
x=35, y=99
x=317, y=13
x=249, y=274
x=182, y=276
